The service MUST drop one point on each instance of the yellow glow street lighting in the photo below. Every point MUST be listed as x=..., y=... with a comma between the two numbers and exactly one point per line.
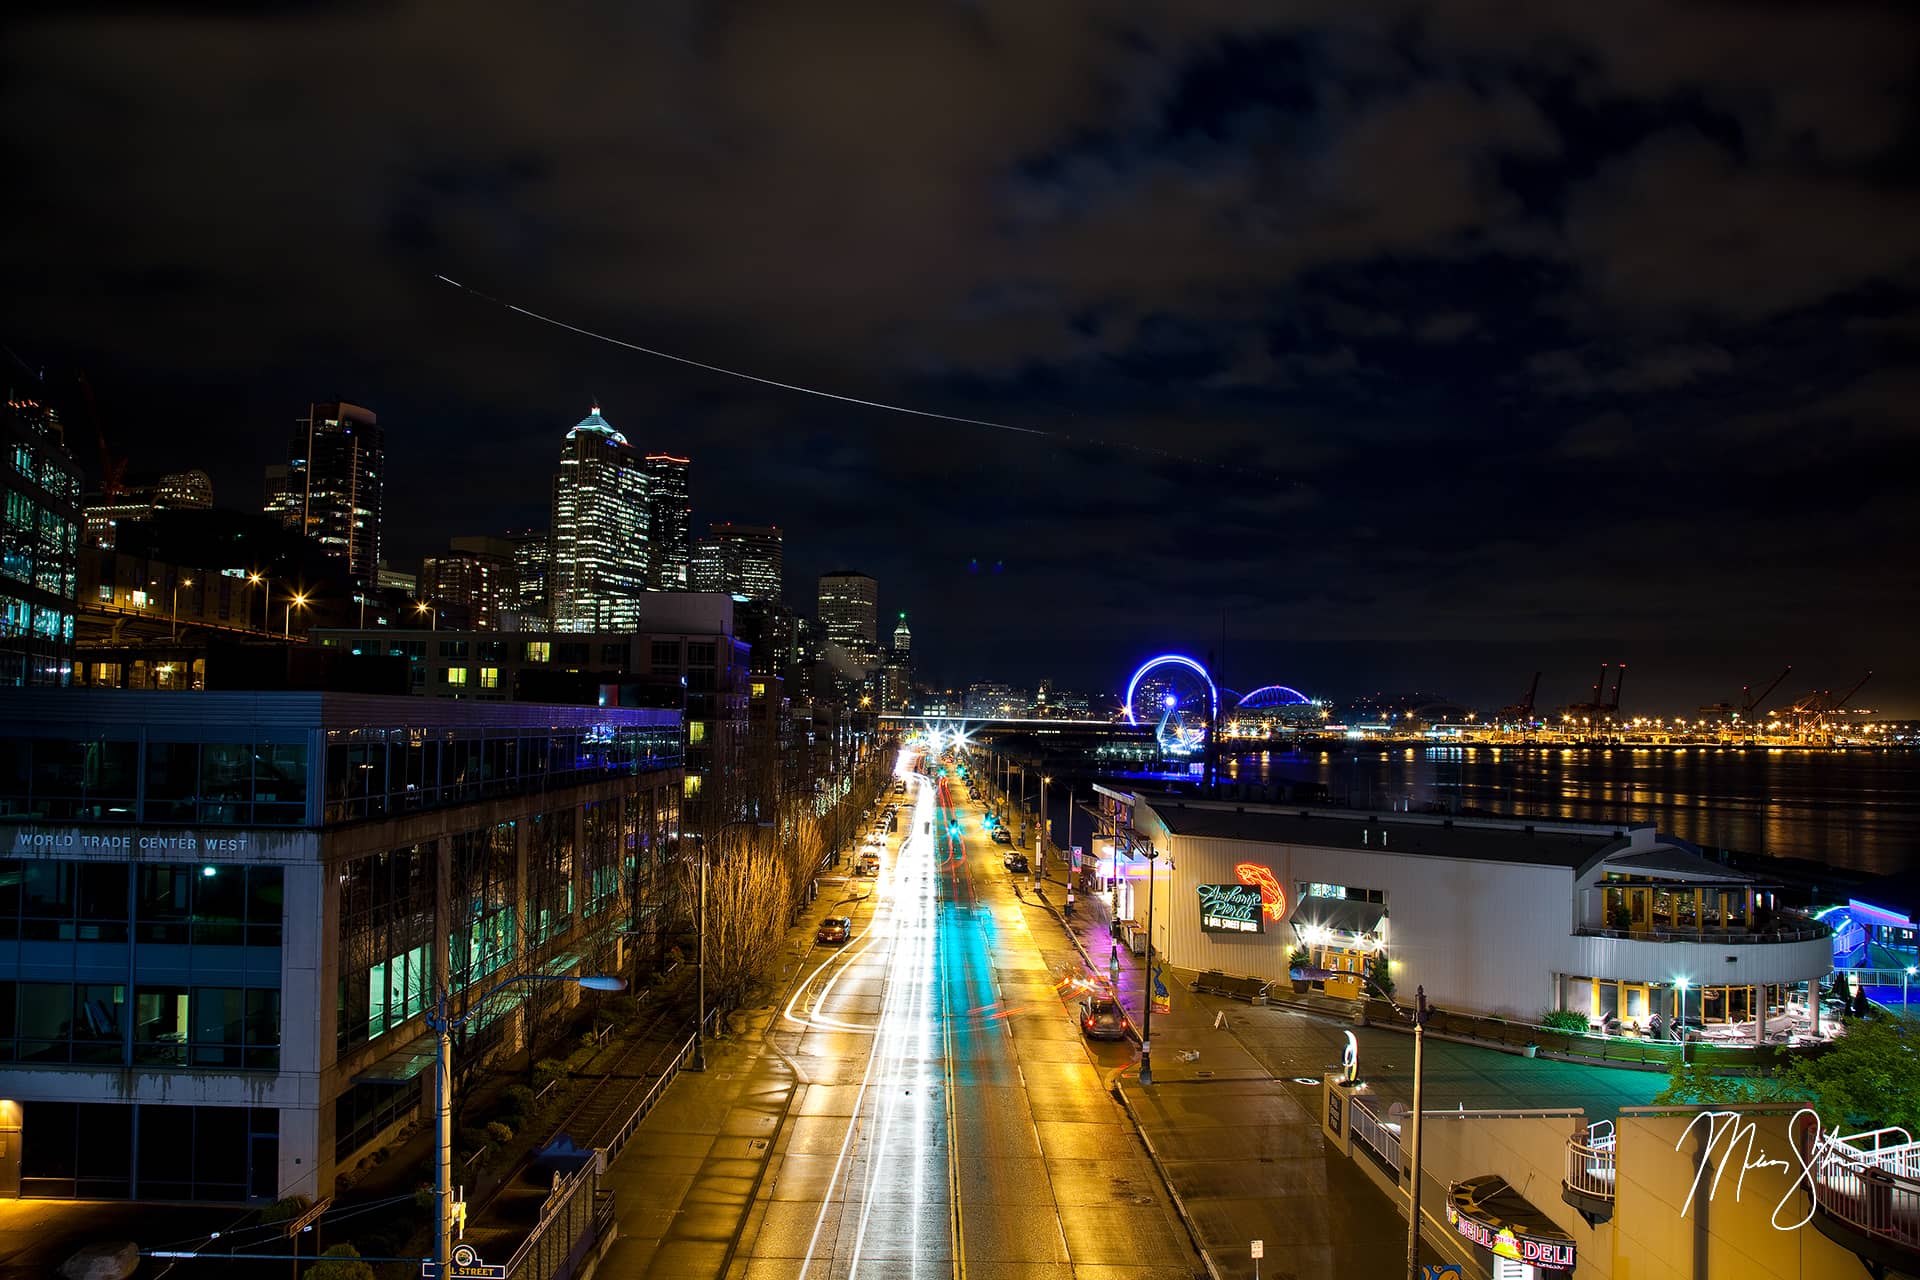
x=299, y=601
x=421, y=606
x=184, y=582
x=266, y=600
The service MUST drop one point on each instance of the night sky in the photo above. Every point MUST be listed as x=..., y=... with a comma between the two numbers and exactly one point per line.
x=1410, y=346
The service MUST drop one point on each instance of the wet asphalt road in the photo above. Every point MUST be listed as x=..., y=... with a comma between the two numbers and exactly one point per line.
x=952, y=1120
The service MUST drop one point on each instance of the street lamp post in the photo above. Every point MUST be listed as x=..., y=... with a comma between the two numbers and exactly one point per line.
x=1909, y=972
x=1146, y=1029
x=421, y=606
x=299, y=601
x=1040, y=836
x=184, y=582
x=443, y=1028
x=266, y=599
x=699, y=1062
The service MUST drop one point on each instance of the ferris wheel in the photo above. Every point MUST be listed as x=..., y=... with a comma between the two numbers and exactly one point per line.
x=1175, y=695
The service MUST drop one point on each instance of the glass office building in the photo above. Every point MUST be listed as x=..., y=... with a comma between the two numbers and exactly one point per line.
x=39, y=542
x=223, y=916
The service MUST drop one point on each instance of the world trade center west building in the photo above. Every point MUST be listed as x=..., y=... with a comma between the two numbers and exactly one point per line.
x=224, y=916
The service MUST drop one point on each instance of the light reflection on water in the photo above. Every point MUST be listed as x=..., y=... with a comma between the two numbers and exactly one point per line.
x=1856, y=809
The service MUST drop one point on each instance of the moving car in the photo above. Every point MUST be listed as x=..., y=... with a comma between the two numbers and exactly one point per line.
x=869, y=864
x=836, y=929
x=1000, y=836
x=1102, y=1018
x=1016, y=862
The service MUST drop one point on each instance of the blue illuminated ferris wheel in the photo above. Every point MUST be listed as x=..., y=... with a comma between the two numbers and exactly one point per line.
x=1175, y=695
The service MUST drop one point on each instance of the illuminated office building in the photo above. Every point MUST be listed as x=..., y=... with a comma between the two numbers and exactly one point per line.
x=600, y=528
x=331, y=486
x=39, y=542
x=670, y=509
x=849, y=614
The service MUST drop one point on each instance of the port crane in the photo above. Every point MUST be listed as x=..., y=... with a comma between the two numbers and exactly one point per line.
x=1522, y=711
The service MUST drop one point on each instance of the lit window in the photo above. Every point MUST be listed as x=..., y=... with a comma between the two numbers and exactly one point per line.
x=457, y=676
x=696, y=732
x=539, y=651
x=759, y=689
x=106, y=595
x=693, y=784
x=489, y=677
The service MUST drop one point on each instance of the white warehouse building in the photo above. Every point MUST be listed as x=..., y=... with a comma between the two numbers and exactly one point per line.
x=1509, y=918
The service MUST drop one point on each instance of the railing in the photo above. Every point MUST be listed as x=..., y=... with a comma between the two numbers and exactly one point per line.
x=1382, y=1137
x=1734, y=937
x=1590, y=1169
x=1873, y=1188
x=569, y=1225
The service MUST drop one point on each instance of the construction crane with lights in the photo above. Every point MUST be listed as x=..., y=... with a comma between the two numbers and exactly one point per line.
x=1811, y=718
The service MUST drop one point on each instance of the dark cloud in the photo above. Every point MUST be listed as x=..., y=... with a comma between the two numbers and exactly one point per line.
x=1425, y=341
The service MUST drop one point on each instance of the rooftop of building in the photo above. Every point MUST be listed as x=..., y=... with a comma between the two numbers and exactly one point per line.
x=1577, y=846
x=594, y=422
x=69, y=712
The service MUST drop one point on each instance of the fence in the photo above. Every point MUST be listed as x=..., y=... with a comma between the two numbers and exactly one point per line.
x=1381, y=1137
x=1590, y=1170
x=570, y=1223
x=1873, y=1188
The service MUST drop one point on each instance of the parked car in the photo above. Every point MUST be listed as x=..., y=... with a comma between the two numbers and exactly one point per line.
x=1016, y=862
x=1000, y=836
x=869, y=864
x=1102, y=1018
x=834, y=929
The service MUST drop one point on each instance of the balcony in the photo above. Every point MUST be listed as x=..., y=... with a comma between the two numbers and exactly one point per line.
x=1866, y=1193
x=1589, y=1184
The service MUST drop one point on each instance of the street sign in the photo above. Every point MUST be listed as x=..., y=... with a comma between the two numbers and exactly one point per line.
x=1259, y=1248
x=295, y=1226
x=465, y=1264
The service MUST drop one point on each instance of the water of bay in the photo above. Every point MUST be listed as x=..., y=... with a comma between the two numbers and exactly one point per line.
x=1853, y=809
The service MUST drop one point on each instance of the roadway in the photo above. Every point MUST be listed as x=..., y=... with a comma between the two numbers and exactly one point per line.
x=947, y=1117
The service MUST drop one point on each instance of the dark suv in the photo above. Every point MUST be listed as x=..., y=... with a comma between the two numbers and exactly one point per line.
x=1102, y=1018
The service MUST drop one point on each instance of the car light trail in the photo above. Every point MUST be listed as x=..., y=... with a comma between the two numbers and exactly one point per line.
x=897, y=1066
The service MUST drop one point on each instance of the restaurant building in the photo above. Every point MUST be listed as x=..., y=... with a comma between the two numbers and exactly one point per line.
x=224, y=915
x=1509, y=918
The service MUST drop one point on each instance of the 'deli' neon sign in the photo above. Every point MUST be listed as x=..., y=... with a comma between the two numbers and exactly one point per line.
x=1273, y=899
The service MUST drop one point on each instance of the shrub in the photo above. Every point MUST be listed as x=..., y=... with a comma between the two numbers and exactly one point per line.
x=470, y=1140
x=340, y=1262
x=517, y=1101
x=578, y=1059
x=1564, y=1020
x=499, y=1133
x=588, y=1040
x=548, y=1071
x=285, y=1210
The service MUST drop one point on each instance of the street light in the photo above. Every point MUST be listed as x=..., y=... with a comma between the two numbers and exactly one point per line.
x=443, y=1027
x=266, y=600
x=299, y=601
x=1146, y=1030
x=184, y=582
x=1040, y=836
x=421, y=606
x=699, y=1062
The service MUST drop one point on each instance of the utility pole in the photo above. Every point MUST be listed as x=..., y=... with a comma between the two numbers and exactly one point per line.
x=1413, y=1151
x=1146, y=1026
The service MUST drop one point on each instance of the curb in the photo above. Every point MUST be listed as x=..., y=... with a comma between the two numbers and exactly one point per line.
x=1179, y=1204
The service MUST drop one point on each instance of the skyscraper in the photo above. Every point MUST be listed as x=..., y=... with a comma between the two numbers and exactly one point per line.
x=532, y=572
x=39, y=539
x=848, y=613
x=475, y=579
x=749, y=558
x=600, y=521
x=902, y=638
x=670, y=511
x=331, y=489
x=175, y=491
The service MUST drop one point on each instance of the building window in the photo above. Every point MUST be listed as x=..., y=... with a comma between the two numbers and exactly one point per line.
x=539, y=651
x=696, y=732
x=613, y=655
x=666, y=654
x=573, y=652
x=455, y=676
x=701, y=654
x=453, y=648
x=489, y=677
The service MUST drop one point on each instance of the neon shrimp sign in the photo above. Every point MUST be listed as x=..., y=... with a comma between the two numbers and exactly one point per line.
x=1273, y=899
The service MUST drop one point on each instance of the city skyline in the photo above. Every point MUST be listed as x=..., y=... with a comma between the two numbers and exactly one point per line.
x=1431, y=353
